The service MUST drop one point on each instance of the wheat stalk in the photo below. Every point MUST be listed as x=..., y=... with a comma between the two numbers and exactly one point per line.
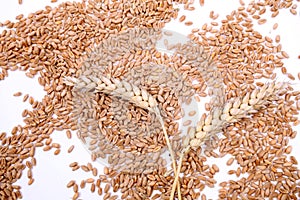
x=129, y=92
x=234, y=110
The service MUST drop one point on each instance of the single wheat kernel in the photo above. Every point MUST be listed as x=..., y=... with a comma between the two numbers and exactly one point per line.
x=29, y=173
x=55, y=145
x=93, y=188
x=70, y=184
x=47, y=148
x=294, y=160
x=75, y=196
x=284, y=54
x=168, y=33
x=211, y=14
x=188, y=101
x=73, y=164
x=277, y=38
x=274, y=14
x=31, y=100
x=100, y=191
x=188, y=23
x=207, y=106
x=187, y=123
x=197, y=98
x=90, y=180
x=215, y=167
x=98, y=182
x=84, y=168
x=25, y=97
x=95, y=172
x=192, y=113
x=182, y=18
x=283, y=70
x=75, y=187
x=262, y=21
x=230, y=161
x=89, y=166
x=106, y=170
x=70, y=149
x=82, y=184
x=288, y=150
x=57, y=151
x=290, y=76
x=30, y=181
x=275, y=26
x=69, y=134
x=17, y=94
x=106, y=188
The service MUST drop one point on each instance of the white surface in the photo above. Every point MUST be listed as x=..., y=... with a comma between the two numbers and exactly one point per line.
x=52, y=172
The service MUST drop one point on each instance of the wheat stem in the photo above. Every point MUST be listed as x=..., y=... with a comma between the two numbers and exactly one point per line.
x=176, y=174
x=171, y=152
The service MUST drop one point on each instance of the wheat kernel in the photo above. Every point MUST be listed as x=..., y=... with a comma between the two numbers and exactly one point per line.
x=230, y=161
x=70, y=149
x=17, y=94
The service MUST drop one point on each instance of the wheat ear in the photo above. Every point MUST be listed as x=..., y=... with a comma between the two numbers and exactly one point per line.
x=129, y=92
x=234, y=110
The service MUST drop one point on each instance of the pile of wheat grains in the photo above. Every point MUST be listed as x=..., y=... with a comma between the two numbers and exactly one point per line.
x=54, y=43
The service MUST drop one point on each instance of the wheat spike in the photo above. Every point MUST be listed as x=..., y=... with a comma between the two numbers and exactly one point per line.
x=123, y=89
x=234, y=110
x=129, y=92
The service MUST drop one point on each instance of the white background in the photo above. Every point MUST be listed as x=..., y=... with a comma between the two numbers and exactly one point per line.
x=52, y=172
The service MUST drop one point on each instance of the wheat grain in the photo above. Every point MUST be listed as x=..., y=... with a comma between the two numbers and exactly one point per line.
x=275, y=26
x=187, y=123
x=188, y=23
x=71, y=183
x=82, y=184
x=57, y=151
x=75, y=196
x=70, y=149
x=192, y=113
x=17, y=94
